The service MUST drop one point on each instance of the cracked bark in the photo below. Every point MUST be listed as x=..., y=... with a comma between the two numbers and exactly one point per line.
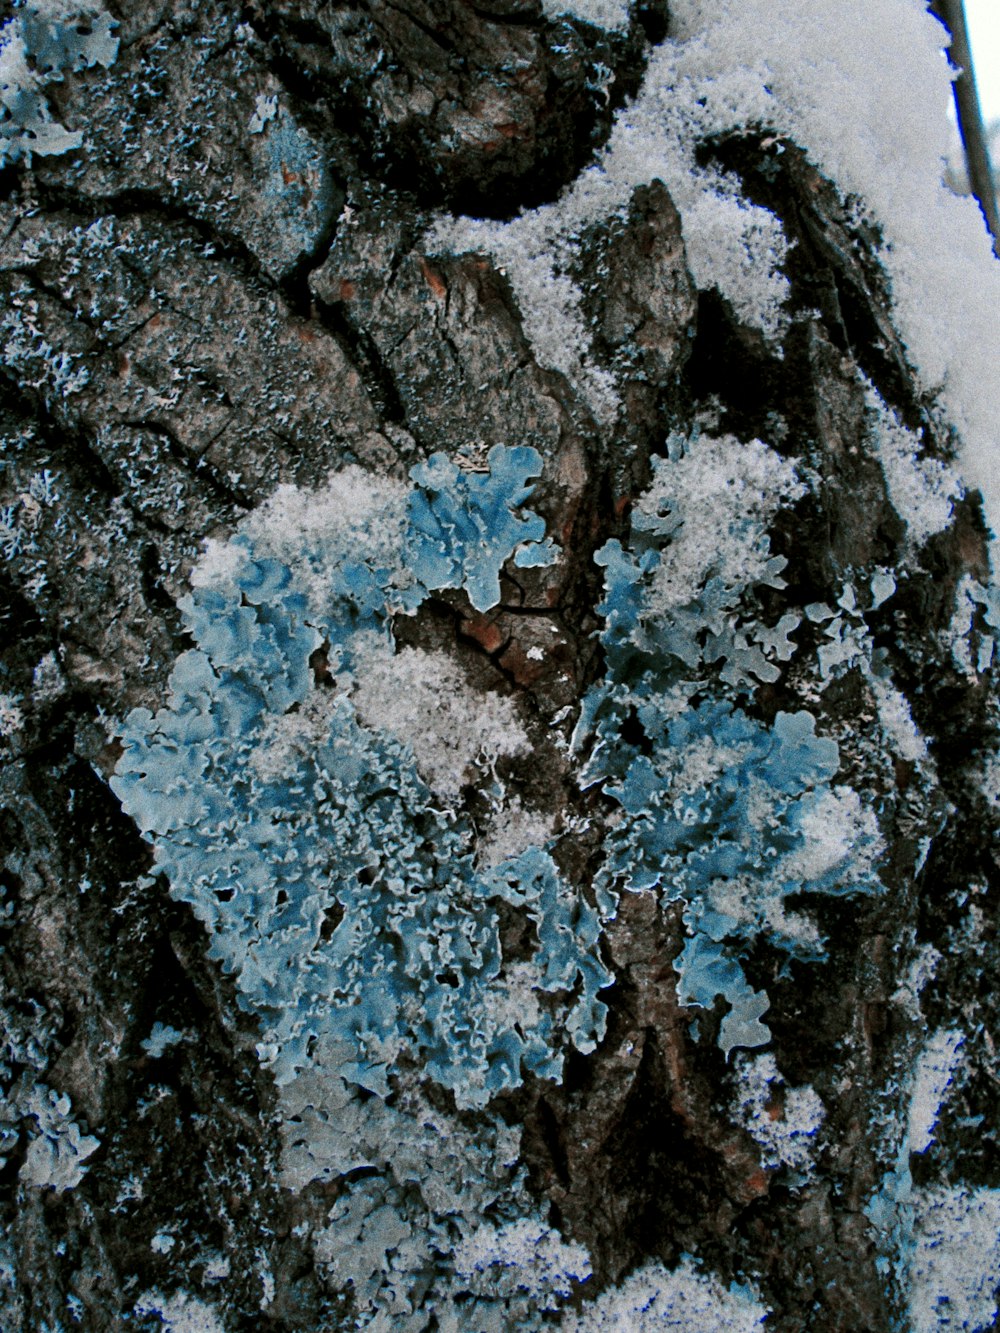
x=232, y=344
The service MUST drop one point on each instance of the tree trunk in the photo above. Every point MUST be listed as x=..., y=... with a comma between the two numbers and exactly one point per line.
x=709, y=817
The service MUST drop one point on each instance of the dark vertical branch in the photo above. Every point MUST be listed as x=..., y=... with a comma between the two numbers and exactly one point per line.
x=970, y=120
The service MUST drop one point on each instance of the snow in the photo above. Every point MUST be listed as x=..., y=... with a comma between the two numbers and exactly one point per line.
x=833, y=826
x=732, y=245
x=863, y=90
x=524, y=1257
x=783, y=1121
x=354, y=512
x=685, y=1300
x=896, y=720
x=180, y=1312
x=11, y=715
x=725, y=491
x=922, y=490
x=921, y=971
x=934, y=1070
x=512, y=828
x=424, y=700
x=955, y=1271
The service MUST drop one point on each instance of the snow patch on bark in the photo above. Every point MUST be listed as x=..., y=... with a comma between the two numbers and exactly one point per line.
x=863, y=91
x=424, y=700
x=686, y=1300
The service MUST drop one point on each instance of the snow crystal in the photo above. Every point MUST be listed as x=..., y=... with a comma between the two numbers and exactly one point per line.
x=217, y=1267
x=424, y=700
x=783, y=1121
x=989, y=780
x=160, y=1039
x=288, y=738
x=935, y=1067
x=532, y=251
x=685, y=1300
x=733, y=245
x=47, y=680
x=955, y=1270
x=265, y=109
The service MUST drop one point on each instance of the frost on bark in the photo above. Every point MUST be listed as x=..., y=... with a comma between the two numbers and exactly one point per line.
x=719, y=802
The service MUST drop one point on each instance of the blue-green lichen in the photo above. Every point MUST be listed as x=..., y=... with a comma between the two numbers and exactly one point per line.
x=336, y=887
x=333, y=864
x=724, y=812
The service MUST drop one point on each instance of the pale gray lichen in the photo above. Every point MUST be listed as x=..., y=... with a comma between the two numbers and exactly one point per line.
x=57, y=1150
x=39, y=45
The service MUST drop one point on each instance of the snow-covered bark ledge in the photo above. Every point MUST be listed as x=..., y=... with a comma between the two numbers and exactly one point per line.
x=862, y=90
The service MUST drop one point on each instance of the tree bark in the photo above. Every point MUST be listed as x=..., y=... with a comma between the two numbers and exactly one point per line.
x=196, y=314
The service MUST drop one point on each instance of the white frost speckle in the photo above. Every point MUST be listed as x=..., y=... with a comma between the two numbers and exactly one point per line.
x=989, y=782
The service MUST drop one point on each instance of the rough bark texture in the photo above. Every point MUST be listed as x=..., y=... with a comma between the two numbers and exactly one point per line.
x=240, y=328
